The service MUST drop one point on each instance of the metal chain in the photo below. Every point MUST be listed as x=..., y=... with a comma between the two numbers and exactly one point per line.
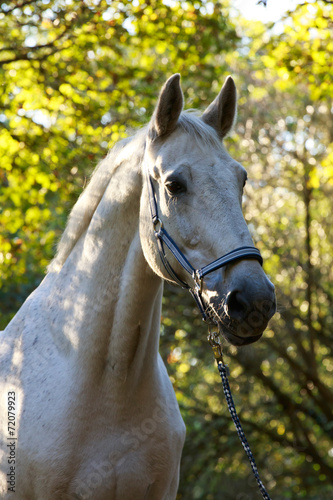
x=215, y=343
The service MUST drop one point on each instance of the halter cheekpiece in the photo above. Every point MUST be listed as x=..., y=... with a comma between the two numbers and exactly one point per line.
x=195, y=275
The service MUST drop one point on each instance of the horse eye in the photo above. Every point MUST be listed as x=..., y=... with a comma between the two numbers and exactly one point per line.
x=175, y=187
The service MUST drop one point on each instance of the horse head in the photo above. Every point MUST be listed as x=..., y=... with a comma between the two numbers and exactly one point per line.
x=197, y=189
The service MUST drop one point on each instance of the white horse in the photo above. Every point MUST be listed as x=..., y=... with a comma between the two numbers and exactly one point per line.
x=87, y=408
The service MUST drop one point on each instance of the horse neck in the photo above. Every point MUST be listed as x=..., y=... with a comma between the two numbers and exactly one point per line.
x=106, y=301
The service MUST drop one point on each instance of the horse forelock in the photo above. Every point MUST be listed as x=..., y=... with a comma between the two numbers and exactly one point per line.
x=203, y=134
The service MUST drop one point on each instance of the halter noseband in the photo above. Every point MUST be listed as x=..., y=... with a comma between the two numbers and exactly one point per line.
x=196, y=275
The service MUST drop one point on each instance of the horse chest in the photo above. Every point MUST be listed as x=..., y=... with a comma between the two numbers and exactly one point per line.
x=141, y=467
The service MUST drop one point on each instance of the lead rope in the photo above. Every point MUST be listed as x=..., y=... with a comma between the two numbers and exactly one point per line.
x=214, y=340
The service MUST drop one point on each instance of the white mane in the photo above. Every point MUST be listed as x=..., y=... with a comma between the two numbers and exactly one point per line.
x=87, y=203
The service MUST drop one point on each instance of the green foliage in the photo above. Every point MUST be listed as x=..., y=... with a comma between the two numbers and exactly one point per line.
x=78, y=76
x=75, y=76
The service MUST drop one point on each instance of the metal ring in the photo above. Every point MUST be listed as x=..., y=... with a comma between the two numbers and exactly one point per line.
x=198, y=281
x=158, y=225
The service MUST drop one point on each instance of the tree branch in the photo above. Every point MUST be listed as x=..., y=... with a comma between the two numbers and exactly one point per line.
x=325, y=394
x=24, y=55
x=19, y=6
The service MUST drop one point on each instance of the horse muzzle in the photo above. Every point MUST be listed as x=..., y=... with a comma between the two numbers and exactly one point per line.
x=244, y=312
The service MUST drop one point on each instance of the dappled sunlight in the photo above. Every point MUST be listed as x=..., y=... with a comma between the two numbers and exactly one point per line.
x=77, y=78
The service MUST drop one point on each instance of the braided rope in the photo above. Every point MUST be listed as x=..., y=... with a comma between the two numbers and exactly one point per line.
x=232, y=410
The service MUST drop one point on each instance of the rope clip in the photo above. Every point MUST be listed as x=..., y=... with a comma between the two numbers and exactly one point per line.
x=215, y=343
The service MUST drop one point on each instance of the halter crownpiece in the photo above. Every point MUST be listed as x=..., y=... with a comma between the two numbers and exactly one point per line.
x=196, y=275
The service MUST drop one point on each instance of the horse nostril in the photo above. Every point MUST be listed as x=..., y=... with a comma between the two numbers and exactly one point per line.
x=245, y=306
x=236, y=305
x=271, y=310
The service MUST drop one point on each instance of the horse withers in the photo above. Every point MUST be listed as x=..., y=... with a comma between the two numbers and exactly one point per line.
x=87, y=408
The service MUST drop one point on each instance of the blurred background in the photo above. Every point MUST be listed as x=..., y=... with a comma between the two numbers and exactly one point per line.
x=77, y=76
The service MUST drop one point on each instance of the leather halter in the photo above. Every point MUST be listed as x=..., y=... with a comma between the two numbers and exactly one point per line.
x=195, y=275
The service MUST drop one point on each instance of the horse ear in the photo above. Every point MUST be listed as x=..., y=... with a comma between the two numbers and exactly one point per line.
x=221, y=113
x=168, y=109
